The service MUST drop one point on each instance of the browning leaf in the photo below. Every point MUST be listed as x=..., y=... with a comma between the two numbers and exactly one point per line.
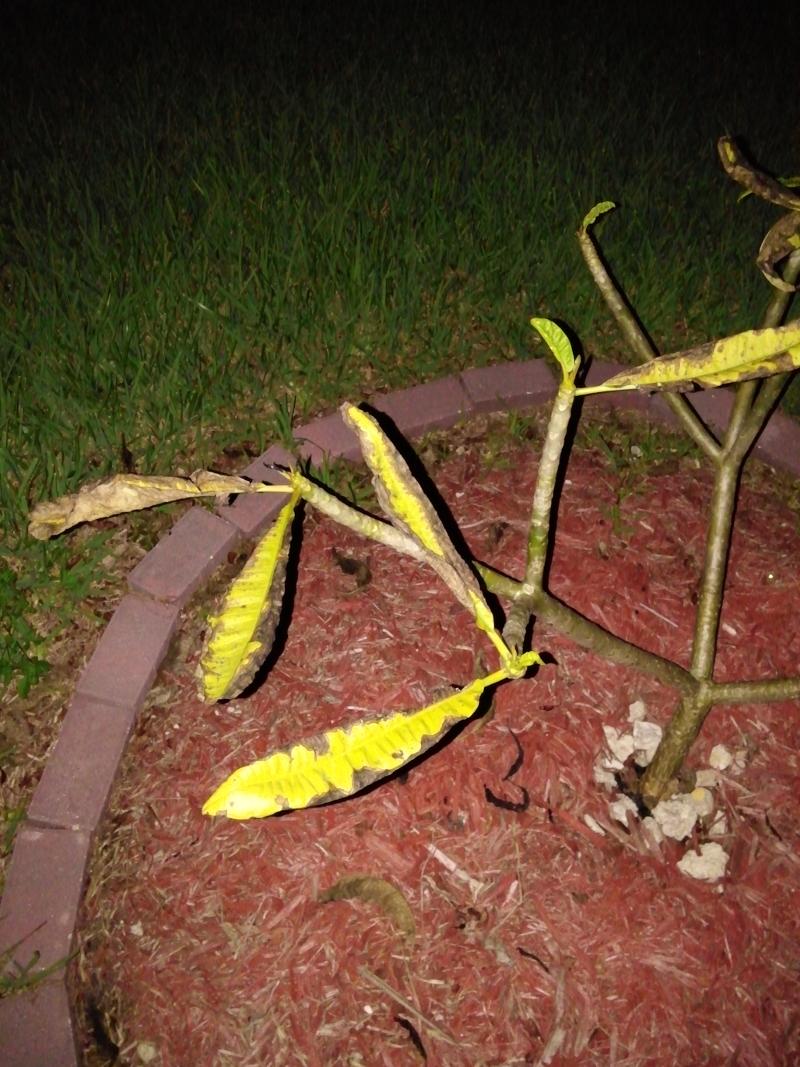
x=781, y=241
x=755, y=181
x=752, y=354
x=403, y=500
x=133, y=492
x=241, y=634
x=342, y=761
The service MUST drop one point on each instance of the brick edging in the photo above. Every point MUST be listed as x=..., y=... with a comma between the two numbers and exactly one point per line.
x=47, y=870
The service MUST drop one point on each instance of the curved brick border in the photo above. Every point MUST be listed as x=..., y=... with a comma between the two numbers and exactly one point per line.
x=47, y=870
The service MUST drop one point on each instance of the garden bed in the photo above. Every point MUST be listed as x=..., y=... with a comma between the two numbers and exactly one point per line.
x=536, y=939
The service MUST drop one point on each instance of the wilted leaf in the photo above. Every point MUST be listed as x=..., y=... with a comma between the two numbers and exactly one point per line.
x=241, y=634
x=594, y=214
x=752, y=354
x=342, y=761
x=375, y=891
x=402, y=499
x=788, y=183
x=755, y=181
x=399, y=493
x=559, y=344
x=133, y=492
x=781, y=241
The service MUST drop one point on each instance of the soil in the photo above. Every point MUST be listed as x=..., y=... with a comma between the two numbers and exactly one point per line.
x=494, y=926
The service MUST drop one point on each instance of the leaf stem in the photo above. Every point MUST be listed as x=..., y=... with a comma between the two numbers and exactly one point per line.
x=588, y=634
x=596, y=639
x=359, y=521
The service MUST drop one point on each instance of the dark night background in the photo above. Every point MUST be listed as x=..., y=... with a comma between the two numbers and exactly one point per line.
x=74, y=59
x=323, y=198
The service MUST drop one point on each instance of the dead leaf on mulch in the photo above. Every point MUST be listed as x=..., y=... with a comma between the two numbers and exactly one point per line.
x=377, y=891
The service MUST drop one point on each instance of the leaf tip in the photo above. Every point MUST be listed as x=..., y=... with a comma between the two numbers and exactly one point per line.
x=559, y=345
x=726, y=149
x=594, y=214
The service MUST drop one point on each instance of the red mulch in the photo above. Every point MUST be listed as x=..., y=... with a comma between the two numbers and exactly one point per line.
x=537, y=941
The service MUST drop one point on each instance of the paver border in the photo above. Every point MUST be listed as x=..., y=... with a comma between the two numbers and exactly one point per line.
x=47, y=870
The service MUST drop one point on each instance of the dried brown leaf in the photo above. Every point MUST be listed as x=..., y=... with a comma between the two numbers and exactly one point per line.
x=781, y=241
x=132, y=492
x=376, y=891
x=755, y=181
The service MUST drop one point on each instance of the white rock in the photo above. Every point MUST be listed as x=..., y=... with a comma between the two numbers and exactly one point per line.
x=739, y=760
x=708, y=864
x=603, y=776
x=719, y=826
x=702, y=802
x=646, y=739
x=720, y=758
x=651, y=826
x=146, y=1051
x=137, y=929
x=610, y=764
x=676, y=817
x=637, y=711
x=619, y=745
x=620, y=807
x=706, y=778
x=594, y=825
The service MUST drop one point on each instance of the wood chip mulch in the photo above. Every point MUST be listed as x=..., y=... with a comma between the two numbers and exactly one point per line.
x=535, y=940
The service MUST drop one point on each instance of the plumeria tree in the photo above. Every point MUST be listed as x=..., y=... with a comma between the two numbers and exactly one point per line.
x=342, y=761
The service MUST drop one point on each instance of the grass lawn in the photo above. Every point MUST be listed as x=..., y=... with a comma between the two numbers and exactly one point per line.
x=216, y=219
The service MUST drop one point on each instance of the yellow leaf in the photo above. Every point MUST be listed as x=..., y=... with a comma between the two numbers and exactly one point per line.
x=241, y=634
x=342, y=761
x=404, y=501
x=753, y=354
x=399, y=493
